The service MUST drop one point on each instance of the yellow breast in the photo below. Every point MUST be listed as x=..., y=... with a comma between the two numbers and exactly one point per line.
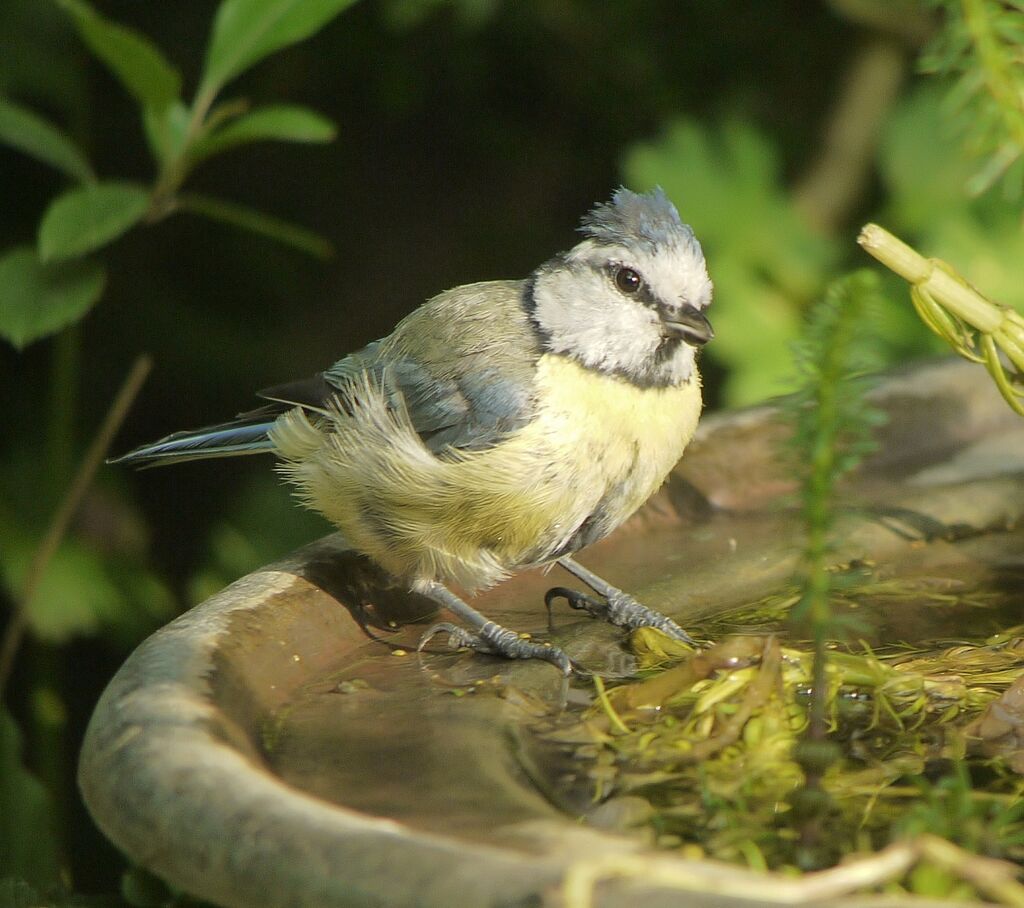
x=597, y=445
x=617, y=441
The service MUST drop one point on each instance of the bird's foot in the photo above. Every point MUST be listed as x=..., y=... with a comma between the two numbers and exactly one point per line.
x=620, y=609
x=495, y=640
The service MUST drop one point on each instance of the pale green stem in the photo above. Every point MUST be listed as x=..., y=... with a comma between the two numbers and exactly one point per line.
x=913, y=267
x=175, y=170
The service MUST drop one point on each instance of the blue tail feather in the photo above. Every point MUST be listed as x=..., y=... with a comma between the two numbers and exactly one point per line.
x=226, y=440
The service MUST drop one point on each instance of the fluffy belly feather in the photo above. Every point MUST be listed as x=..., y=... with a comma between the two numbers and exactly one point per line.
x=598, y=448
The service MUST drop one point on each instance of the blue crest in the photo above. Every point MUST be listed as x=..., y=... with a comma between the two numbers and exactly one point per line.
x=630, y=217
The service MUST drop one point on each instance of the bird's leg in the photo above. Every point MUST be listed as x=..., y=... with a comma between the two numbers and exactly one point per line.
x=486, y=636
x=619, y=608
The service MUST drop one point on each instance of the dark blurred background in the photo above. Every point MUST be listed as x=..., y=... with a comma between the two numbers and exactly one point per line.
x=472, y=135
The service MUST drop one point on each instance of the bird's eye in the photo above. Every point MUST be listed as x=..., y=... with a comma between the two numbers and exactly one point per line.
x=627, y=280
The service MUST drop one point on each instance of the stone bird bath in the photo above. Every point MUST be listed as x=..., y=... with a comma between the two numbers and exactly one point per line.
x=262, y=749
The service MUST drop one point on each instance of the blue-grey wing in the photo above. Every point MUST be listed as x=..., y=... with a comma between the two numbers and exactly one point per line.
x=462, y=365
x=470, y=411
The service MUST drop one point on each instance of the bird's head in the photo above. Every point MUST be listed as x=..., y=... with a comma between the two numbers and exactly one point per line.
x=629, y=299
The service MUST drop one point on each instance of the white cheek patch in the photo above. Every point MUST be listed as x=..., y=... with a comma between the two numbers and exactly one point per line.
x=580, y=315
x=586, y=318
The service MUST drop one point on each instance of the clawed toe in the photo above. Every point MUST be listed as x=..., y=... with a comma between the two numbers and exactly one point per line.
x=625, y=611
x=619, y=609
x=577, y=600
x=495, y=640
x=458, y=637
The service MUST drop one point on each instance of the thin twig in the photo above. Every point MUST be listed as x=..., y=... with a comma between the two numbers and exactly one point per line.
x=58, y=528
x=711, y=878
x=993, y=877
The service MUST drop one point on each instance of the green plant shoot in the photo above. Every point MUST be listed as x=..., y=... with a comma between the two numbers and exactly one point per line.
x=976, y=328
x=832, y=432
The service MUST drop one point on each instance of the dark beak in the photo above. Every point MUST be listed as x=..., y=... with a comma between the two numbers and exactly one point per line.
x=688, y=323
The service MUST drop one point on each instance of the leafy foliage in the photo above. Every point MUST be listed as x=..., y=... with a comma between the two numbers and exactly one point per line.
x=769, y=264
x=926, y=175
x=22, y=129
x=136, y=62
x=88, y=218
x=835, y=361
x=832, y=432
x=980, y=46
x=950, y=808
x=246, y=31
x=84, y=592
x=243, y=539
x=37, y=299
x=94, y=582
x=281, y=122
x=262, y=224
x=180, y=136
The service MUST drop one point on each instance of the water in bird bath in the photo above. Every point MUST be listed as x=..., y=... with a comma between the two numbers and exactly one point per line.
x=493, y=751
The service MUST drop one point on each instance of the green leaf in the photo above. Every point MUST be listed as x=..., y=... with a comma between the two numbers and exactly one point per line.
x=30, y=133
x=282, y=123
x=246, y=31
x=257, y=222
x=38, y=299
x=166, y=130
x=28, y=844
x=75, y=596
x=135, y=60
x=90, y=217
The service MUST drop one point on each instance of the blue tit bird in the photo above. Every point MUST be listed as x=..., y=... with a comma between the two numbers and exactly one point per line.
x=502, y=425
